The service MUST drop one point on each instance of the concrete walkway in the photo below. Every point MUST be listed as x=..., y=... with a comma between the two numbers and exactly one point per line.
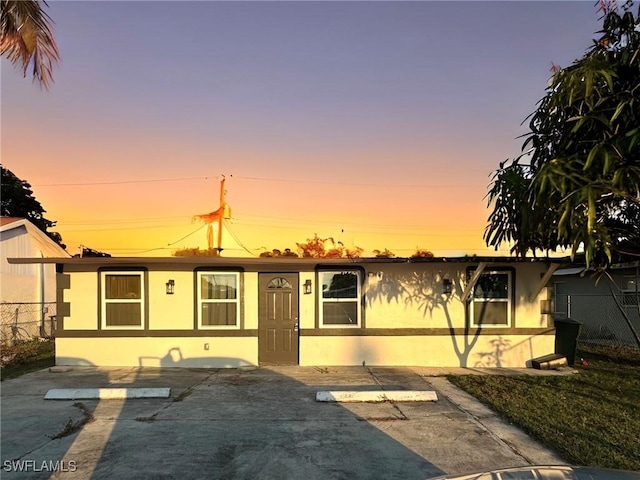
x=260, y=423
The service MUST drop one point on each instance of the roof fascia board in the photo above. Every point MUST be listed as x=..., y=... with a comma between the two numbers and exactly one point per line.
x=12, y=225
x=44, y=239
x=39, y=236
x=275, y=260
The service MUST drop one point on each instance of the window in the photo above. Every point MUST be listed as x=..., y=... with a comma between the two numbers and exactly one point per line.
x=279, y=283
x=491, y=304
x=218, y=300
x=340, y=298
x=123, y=302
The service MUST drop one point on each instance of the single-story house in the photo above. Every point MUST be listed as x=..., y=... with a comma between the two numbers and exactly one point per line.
x=27, y=291
x=230, y=312
x=604, y=303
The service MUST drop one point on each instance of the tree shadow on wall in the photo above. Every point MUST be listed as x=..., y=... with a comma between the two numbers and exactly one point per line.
x=424, y=290
x=493, y=357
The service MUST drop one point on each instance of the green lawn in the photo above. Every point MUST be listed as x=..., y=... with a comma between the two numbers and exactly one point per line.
x=591, y=418
x=26, y=357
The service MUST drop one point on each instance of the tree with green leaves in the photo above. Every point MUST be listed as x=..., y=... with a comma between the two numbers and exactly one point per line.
x=576, y=184
x=17, y=200
x=26, y=38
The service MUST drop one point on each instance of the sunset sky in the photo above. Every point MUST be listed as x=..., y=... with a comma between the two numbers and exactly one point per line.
x=376, y=123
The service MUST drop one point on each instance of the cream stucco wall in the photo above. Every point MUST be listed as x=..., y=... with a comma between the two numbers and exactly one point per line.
x=307, y=303
x=83, y=299
x=222, y=352
x=165, y=312
x=411, y=296
x=397, y=296
x=428, y=351
x=171, y=312
x=250, y=300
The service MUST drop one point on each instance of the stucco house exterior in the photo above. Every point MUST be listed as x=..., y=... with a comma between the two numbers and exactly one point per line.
x=230, y=312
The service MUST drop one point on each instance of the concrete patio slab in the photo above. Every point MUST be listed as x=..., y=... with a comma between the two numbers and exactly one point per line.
x=251, y=424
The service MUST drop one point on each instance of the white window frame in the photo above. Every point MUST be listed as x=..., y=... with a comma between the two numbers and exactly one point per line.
x=357, y=300
x=200, y=301
x=104, y=301
x=508, y=300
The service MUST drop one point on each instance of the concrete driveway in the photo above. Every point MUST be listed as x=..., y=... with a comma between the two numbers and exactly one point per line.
x=261, y=423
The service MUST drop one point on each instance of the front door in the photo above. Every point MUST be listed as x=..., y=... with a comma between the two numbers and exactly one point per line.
x=278, y=322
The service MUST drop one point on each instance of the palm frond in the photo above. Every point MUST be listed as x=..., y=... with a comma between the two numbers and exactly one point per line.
x=27, y=40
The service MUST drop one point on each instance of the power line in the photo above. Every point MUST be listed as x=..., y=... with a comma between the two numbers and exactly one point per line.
x=261, y=179
x=186, y=236
x=158, y=248
x=61, y=227
x=122, y=182
x=249, y=220
x=354, y=184
x=246, y=220
x=235, y=237
x=117, y=221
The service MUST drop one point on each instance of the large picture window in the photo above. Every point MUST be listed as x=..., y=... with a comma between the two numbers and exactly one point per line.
x=123, y=300
x=219, y=300
x=340, y=298
x=491, y=304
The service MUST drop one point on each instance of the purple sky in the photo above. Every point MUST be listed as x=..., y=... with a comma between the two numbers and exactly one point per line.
x=385, y=119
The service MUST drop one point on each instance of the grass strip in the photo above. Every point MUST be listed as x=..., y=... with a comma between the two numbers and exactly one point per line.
x=591, y=418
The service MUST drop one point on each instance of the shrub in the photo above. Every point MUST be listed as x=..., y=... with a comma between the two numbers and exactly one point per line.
x=12, y=355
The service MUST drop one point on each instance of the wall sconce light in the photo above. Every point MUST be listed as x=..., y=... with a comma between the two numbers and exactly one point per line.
x=306, y=287
x=170, y=287
x=447, y=286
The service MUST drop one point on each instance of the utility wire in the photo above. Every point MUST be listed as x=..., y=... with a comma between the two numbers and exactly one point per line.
x=122, y=182
x=261, y=179
x=186, y=236
x=235, y=237
x=172, y=243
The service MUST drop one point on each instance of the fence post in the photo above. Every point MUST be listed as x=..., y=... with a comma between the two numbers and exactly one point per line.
x=43, y=310
x=14, y=329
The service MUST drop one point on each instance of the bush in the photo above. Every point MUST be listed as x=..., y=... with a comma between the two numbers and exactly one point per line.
x=12, y=355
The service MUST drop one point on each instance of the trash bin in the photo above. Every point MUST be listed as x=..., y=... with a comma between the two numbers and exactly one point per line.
x=567, y=330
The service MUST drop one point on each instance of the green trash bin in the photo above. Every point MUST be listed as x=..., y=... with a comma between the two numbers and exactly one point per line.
x=567, y=331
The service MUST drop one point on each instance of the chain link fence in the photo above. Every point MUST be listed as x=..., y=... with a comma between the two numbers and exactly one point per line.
x=605, y=318
x=25, y=321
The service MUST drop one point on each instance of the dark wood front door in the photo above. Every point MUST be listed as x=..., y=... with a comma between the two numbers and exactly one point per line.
x=278, y=322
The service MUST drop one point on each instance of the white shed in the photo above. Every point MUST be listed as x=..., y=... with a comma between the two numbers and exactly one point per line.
x=26, y=291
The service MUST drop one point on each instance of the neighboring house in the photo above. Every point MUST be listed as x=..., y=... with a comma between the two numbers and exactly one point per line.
x=229, y=312
x=26, y=289
x=604, y=304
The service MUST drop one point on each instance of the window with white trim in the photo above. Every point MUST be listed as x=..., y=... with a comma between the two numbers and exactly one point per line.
x=218, y=300
x=122, y=300
x=492, y=301
x=340, y=298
